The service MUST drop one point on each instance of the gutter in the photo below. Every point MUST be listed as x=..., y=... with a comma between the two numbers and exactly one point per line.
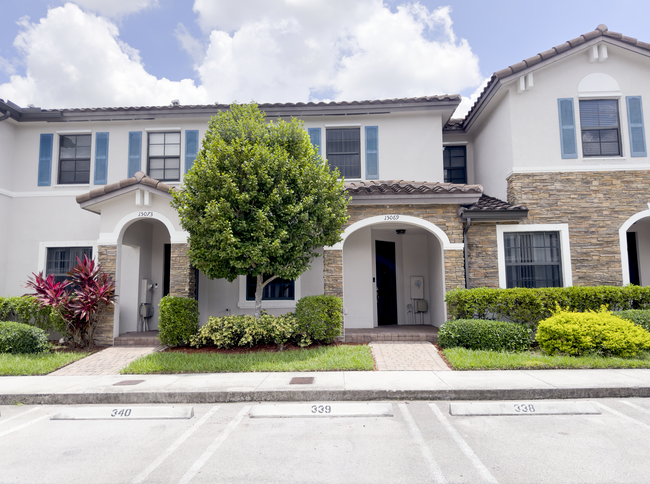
x=465, y=250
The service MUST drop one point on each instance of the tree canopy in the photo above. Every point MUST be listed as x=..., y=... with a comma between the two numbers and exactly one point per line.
x=259, y=200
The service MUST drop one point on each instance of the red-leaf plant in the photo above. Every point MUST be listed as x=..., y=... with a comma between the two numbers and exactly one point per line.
x=79, y=299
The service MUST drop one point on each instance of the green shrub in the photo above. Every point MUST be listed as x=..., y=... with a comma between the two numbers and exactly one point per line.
x=27, y=310
x=481, y=334
x=601, y=332
x=245, y=330
x=319, y=319
x=532, y=305
x=21, y=338
x=178, y=320
x=640, y=317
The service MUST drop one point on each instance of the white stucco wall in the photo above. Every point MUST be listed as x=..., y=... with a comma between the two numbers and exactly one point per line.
x=359, y=294
x=642, y=228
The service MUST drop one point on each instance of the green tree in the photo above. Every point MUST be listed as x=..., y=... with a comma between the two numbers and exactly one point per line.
x=259, y=200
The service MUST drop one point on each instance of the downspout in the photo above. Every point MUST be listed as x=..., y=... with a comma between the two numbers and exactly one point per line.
x=465, y=230
x=4, y=116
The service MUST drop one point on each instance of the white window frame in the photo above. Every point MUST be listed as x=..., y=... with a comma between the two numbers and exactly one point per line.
x=43, y=246
x=284, y=304
x=565, y=254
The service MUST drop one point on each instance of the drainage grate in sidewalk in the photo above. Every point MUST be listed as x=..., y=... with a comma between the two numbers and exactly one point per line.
x=127, y=382
x=302, y=380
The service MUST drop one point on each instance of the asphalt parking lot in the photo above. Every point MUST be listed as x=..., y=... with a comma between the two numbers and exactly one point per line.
x=389, y=442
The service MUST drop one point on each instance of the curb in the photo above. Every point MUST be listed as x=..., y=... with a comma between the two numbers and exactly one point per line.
x=320, y=395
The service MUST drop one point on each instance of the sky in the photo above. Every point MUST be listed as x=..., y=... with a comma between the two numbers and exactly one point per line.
x=100, y=53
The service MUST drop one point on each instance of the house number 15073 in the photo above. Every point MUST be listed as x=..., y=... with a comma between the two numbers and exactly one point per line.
x=145, y=214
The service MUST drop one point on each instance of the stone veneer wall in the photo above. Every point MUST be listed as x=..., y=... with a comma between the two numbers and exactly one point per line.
x=181, y=280
x=483, y=254
x=595, y=205
x=107, y=258
x=333, y=272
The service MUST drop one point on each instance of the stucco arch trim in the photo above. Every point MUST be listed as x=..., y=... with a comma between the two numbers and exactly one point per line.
x=113, y=238
x=397, y=218
x=622, y=235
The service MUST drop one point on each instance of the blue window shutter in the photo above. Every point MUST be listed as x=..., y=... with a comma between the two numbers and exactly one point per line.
x=101, y=158
x=191, y=147
x=635, y=125
x=314, y=136
x=135, y=152
x=568, y=142
x=45, y=160
x=372, y=154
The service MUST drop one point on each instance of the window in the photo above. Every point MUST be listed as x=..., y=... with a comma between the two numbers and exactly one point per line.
x=277, y=290
x=600, y=127
x=165, y=156
x=533, y=259
x=343, y=151
x=455, y=164
x=61, y=259
x=74, y=159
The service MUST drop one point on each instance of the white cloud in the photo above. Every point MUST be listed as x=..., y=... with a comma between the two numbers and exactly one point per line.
x=75, y=59
x=115, y=8
x=467, y=102
x=6, y=66
x=266, y=50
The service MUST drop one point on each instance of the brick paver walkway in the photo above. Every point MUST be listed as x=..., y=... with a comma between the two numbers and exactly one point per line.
x=107, y=362
x=407, y=355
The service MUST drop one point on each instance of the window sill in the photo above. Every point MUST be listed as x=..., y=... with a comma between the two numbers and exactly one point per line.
x=604, y=158
x=268, y=304
x=73, y=185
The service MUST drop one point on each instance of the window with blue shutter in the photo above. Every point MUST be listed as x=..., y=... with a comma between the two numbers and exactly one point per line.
x=635, y=125
x=568, y=144
x=372, y=154
x=314, y=136
x=191, y=147
x=45, y=160
x=135, y=152
x=101, y=158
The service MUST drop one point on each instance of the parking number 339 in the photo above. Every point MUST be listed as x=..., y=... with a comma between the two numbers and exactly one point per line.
x=321, y=409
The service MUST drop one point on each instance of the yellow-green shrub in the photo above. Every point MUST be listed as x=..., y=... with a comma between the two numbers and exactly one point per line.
x=575, y=333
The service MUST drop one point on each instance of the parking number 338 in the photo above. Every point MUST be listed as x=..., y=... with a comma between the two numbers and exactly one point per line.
x=524, y=408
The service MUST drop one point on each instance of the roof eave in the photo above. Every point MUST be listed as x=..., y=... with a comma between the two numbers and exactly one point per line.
x=494, y=215
x=416, y=199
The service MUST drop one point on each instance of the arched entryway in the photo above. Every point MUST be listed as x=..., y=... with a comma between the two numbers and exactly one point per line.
x=635, y=249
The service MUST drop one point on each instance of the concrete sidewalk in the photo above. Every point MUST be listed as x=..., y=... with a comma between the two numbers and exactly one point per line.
x=327, y=386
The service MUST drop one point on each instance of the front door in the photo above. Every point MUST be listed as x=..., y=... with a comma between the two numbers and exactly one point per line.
x=386, y=283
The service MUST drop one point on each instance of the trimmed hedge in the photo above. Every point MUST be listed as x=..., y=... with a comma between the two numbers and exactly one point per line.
x=640, y=317
x=27, y=310
x=22, y=338
x=178, y=320
x=481, y=334
x=532, y=305
x=601, y=332
x=245, y=330
x=319, y=318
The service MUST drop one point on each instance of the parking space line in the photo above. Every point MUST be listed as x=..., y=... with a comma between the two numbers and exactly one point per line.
x=640, y=409
x=214, y=446
x=486, y=475
x=434, y=468
x=622, y=415
x=168, y=451
x=7, y=432
x=5, y=420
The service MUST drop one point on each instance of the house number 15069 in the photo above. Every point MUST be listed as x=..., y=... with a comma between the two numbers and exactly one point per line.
x=391, y=217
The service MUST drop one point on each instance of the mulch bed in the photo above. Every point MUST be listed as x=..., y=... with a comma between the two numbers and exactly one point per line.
x=245, y=350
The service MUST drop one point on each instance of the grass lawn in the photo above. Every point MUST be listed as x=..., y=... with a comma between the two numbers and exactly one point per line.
x=464, y=359
x=35, y=364
x=324, y=358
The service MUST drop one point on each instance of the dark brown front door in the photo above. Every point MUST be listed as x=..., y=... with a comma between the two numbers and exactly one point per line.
x=386, y=283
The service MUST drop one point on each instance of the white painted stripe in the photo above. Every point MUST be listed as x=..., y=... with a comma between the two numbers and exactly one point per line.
x=177, y=443
x=484, y=472
x=5, y=420
x=640, y=409
x=7, y=432
x=196, y=467
x=434, y=468
x=622, y=415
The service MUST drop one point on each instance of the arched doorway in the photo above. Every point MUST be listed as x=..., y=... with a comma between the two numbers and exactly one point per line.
x=635, y=249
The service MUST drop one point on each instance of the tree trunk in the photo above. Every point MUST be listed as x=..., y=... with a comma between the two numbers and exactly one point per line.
x=258, y=296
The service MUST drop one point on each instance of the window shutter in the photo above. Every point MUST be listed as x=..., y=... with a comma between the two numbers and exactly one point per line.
x=191, y=147
x=635, y=124
x=372, y=154
x=314, y=136
x=101, y=158
x=567, y=128
x=135, y=152
x=45, y=160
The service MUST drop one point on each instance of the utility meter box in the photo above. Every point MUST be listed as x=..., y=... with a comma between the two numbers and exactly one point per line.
x=417, y=287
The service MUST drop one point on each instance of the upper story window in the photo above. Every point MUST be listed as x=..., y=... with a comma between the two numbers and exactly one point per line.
x=165, y=156
x=344, y=151
x=74, y=158
x=61, y=259
x=455, y=164
x=599, y=123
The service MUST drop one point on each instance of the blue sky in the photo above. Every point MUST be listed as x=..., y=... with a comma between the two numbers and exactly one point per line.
x=92, y=53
